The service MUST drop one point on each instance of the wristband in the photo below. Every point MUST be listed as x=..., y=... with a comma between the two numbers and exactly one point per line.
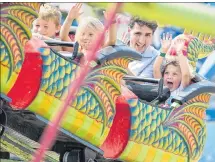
x=162, y=54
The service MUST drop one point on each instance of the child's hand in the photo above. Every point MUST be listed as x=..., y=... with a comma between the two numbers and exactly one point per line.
x=125, y=37
x=37, y=35
x=75, y=12
x=111, y=9
x=166, y=42
x=179, y=46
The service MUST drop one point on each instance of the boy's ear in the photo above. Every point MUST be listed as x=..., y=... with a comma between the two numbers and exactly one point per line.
x=58, y=28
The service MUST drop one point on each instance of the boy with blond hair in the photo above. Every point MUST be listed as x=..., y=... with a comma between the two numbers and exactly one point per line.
x=47, y=25
x=87, y=31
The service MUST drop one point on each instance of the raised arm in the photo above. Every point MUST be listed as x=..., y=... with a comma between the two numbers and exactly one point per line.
x=165, y=44
x=112, y=32
x=73, y=14
x=183, y=62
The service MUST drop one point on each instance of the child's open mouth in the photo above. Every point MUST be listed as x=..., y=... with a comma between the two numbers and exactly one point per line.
x=169, y=84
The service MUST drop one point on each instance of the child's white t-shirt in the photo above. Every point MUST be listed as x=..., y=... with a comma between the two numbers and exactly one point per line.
x=177, y=91
x=174, y=93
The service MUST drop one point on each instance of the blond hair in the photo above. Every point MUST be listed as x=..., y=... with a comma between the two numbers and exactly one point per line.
x=48, y=12
x=88, y=22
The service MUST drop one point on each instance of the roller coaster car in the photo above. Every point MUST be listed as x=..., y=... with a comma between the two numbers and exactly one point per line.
x=106, y=120
x=28, y=124
x=71, y=147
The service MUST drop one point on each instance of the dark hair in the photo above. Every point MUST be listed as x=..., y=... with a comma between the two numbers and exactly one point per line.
x=167, y=63
x=150, y=24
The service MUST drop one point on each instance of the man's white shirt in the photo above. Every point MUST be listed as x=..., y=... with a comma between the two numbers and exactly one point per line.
x=144, y=67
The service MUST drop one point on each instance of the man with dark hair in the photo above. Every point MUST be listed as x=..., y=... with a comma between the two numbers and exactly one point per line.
x=141, y=35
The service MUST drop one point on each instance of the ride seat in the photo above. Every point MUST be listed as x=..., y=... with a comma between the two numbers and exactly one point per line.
x=199, y=85
x=148, y=91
